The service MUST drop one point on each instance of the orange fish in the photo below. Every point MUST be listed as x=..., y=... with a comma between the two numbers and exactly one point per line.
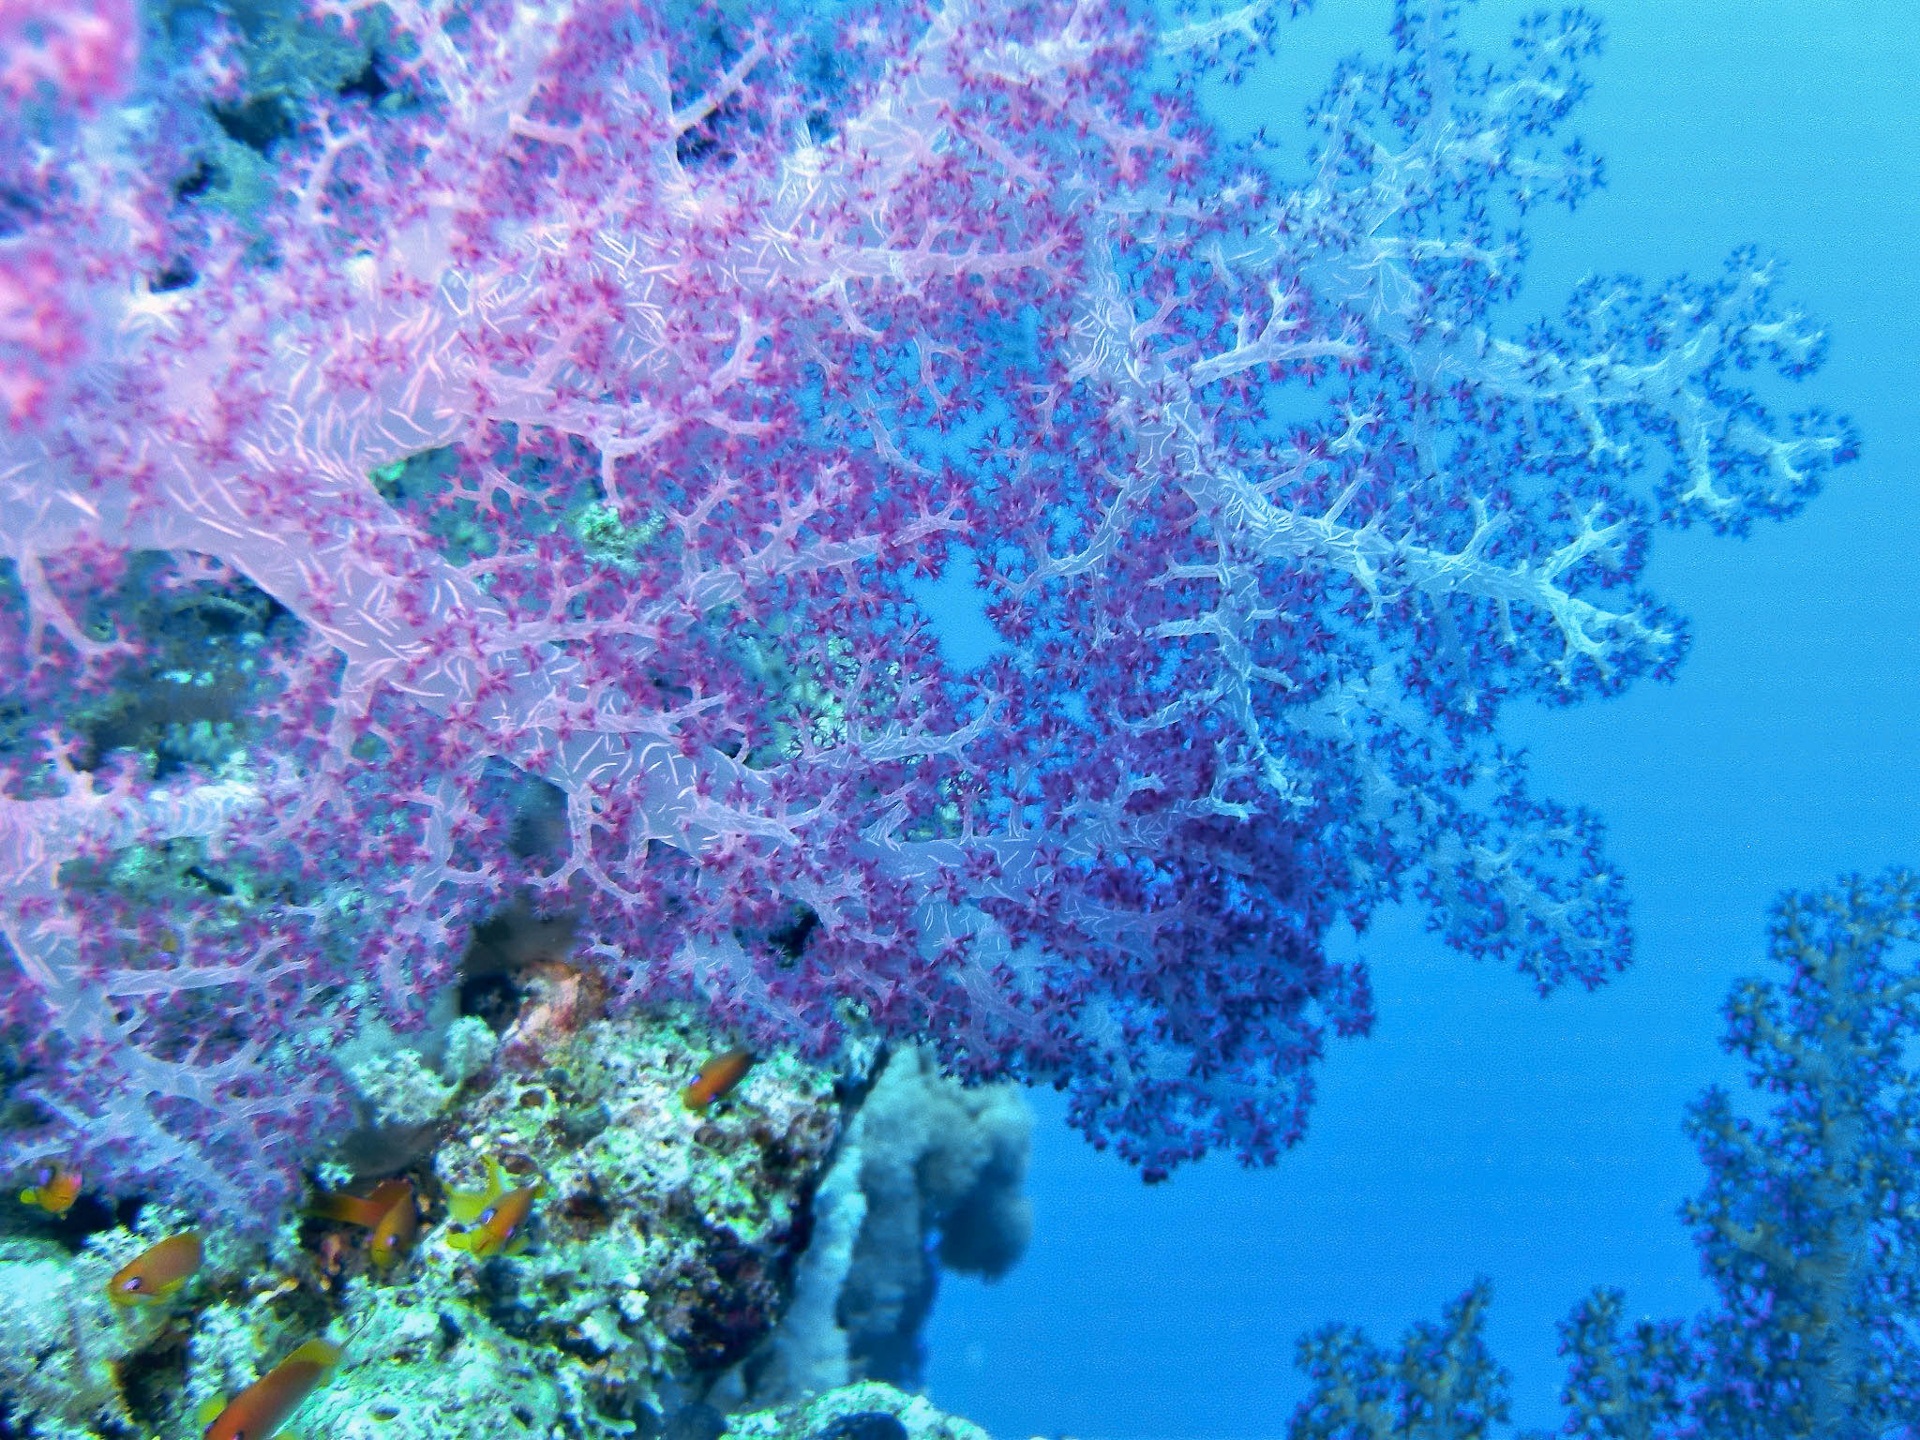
x=717, y=1077
x=493, y=1219
x=389, y=1212
x=55, y=1187
x=156, y=1272
x=259, y=1411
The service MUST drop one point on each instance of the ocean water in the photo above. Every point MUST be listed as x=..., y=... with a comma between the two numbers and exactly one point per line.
x=1480, y=1130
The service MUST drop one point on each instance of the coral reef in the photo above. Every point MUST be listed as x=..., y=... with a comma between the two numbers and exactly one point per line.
x=563, y=404
x=1808, y=1228
x=868, y=1410
x=64, y=1342
x=942, y=1168
x=927, y=1168
x=468, y=471
x=668, y=1248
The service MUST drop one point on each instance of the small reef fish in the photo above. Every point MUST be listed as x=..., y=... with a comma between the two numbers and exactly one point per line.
x=156, y=1272
x=717, y=1077
x=493, y=1219
x=389, y=1212
x=259, y=1411
x=55, y=1187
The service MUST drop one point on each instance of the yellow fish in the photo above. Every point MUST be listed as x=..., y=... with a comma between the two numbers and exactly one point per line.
x=389, y=1212
x=493, y=1219
x=259, y=1411
x=156, y=1272
x=55, y=1187
x=717, y=1078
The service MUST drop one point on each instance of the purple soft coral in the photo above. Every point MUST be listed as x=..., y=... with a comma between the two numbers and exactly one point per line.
x=598, y=385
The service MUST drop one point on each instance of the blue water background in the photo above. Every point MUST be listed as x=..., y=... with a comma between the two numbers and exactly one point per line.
x=1481, y=1130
